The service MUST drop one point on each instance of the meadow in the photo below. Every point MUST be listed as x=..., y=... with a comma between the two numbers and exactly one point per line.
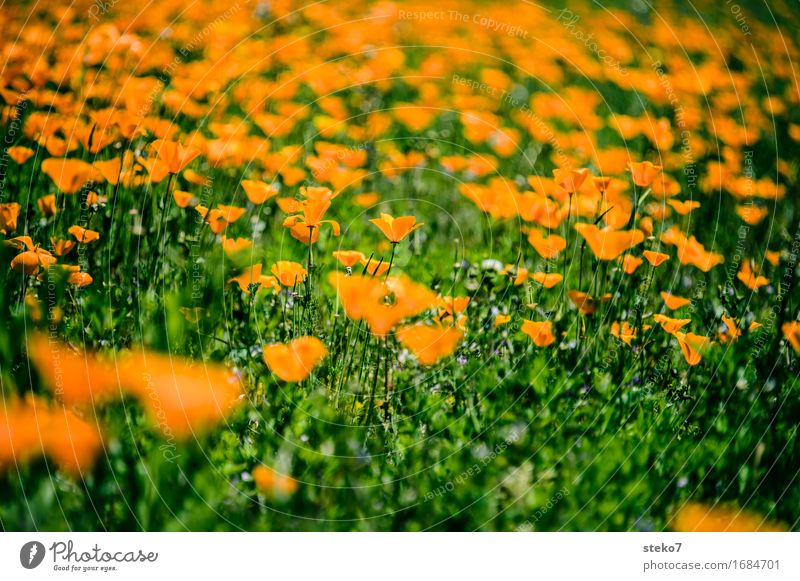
x=371, y=266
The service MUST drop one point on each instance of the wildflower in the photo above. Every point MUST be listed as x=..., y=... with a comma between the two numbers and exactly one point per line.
x=349, y=258
x=69, y=175
x=630, y=263
x=289, y=273
x=32, y=258
x=791, y=331
x=294, y=362
x=547, y=246
x=258, y=192
x=570, y=179
x=683, y=208
x=694, y=517
x=182, y=199
x=608, y=244
x=429, y=343
x=547, y=279
x=623, y=331
x=749, y=278
x=173, y=155
x=540, y=331
x=251, y=276
x=655, y=258
x=83, y=235
x=692, y=346
x=19, y=154
x=395, y=229
x=643, y=172
x=587, y=305
x=674, y=302
x=670, y=325
x=500, y=320
x=47, y=205
x=311, y=216
x=271, y=482
x=8, y=217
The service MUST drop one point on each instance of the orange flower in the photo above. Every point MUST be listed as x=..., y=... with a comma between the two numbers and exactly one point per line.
x=83, y=235
x=791, y=331
x=289, y=273
x=173, y=155
x=731, y=332
x=683, y=208
x=47, y=205
x=547, y=246
x=366, y=200
x=752, y=215
x=252, y=276
x=31, y=427
x=395, y=229
x=540, y=331
x=500, y=320
x=80, y=279
x=233, y=246
x=587, y=305
x=570, y=179
x=643, y=172
x=429, y=343
x=271, y=482
x=608, y=244
x=30, y=260
x=694, y=517
x=674, y=302
x=62, y=247
x=19, y=154
x=749, y=278
x=293, y=362
x=182, y=199
x=258, y=192
x=69, y=175
x=548, y=279
x=692, y=346
x=181, y=396
x=376, y=268
x=670, y=325
x=630, y=263
x=624, y=332
x=8, y=217
x=655, y=258
x=311, y=216
x=349, y=258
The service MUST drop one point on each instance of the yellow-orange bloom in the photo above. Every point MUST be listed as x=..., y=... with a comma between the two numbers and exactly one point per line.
x=294, y=362
x=289, y=273
x=694, y=517
x=674, y=302
x=643, y=172
x=349, y=258
x=395, y=229
x=429, y=343
x=547, y=279
x=540, y=331
x=546, y=246
x=173, y=155
x=83, y=235
x=608, y=244
x=570, y=179
x=258, y=192
x=692, y=346
x=8, y=217
x=271, y=482
x=655, y=258
x=750, y=279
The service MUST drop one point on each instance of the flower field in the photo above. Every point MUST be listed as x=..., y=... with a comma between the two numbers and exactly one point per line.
x=370, y=266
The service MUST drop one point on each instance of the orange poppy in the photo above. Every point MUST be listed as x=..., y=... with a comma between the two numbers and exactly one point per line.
x=395, y=229
x=173, y=155
x=294, y=362
x=271, y=482
x=19, y=154
x=289, y=273
x=547, y=279
x=540, y=331
x=674, y=302
x=182, y=199
x=349, y=258
x=683, y=208
x=32, y=257
x=258, y=192
x=500, y=320
x=608, y=244
x=791, y=331
x=630, y=263
x=694, y=517
x=429, y=343
x=47, y=205
x=251, y=276
x=643, y=172
x=692, y=346
x=83, y=235
x=69, y=175
x=750, y=279
x=670, y=325
x=570, y=179
x=655, y=258
x=547, y=246
x=586, y=304
x=311, y=217
x=9, y=213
